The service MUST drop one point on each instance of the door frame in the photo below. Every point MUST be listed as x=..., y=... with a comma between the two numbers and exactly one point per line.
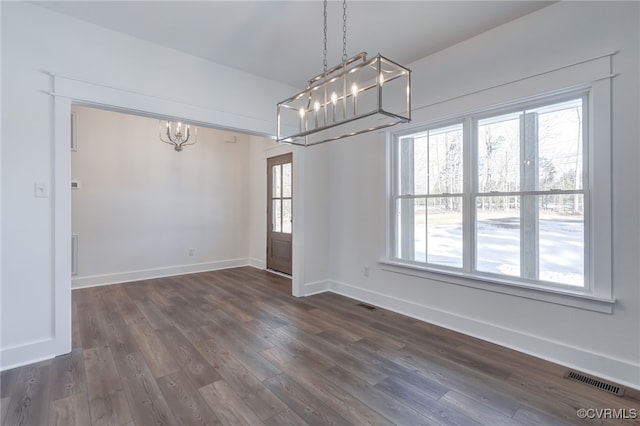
x=274, y=161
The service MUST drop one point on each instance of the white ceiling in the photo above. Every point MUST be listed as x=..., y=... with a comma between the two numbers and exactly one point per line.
x=282, y=40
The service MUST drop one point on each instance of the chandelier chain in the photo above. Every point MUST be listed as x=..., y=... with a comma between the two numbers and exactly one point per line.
x=344, y=30
x=324, y=63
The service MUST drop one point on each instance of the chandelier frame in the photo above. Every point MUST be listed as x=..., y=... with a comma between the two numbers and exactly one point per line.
x=321, y=114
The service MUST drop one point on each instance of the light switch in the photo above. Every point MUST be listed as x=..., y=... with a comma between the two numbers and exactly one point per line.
x=41, y=190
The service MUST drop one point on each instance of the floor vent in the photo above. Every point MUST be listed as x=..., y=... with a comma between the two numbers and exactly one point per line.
x=369, y=307
x=596, y=383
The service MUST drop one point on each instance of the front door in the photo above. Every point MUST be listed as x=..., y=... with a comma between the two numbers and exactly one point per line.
x=279, y=212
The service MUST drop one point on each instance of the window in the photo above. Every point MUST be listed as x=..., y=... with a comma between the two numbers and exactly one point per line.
x=502, y=195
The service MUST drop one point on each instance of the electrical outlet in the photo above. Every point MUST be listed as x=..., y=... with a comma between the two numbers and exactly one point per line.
x=191, y=252
x=366, y=271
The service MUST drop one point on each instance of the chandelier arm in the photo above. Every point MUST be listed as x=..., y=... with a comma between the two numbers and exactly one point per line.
x=193, y=141
x=160, y=131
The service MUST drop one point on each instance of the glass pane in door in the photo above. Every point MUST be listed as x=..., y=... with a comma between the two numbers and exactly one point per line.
x=277, y=181
x=286, y=180
x=277, y=216
x=286, y=216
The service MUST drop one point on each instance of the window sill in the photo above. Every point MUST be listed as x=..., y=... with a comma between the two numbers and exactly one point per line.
x=551, y=295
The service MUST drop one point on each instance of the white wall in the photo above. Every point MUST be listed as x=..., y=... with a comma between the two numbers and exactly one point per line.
x=36, y=41
x=142, y=206
x=604, y=344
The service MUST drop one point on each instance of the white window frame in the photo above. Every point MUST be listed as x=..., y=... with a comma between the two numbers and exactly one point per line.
x=597, y=292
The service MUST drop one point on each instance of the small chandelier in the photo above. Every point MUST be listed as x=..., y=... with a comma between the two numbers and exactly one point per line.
x=176, y=134
x=357, y=96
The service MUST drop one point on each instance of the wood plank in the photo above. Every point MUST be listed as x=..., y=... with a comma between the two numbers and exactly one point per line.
x=237, y=309
x=136, y=290
x=154, y=316
x=299, y=318
x=237, y=331
x=30, y=400
x=4, y=407
x=156, y=354
x=76, y=339
x=68, y=375
x=243, y=383
x=423, y=401
x=118, y=334
x=185, y=402
x=113, y=297
x=304, y=403
x=358, y=330
x=325, y=345
x=92, y=333
x=257, y=365
x=381, y=359
x=477, y=410
x=315, y=359
x=107, y=402
x=286, y=418
x=199, y=371
x=72, y=410
x=264, y=312
x=264, y=403
x=147, y=403
x=392, y=409
x=131, y=314
x=184, y=319
x=8, y=379
x=228, y=406
x=533, y=417
x=452, y=375
x=342, y=402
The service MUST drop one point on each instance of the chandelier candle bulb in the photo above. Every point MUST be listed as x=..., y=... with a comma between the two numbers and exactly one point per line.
x=301, y=112
x=334, y=101
x=316, y=108
x=354, y=93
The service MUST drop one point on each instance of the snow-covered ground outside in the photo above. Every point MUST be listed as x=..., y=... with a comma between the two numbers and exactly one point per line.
x=561, y=247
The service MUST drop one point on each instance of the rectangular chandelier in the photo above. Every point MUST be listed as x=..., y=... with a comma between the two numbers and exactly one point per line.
x=354, y=97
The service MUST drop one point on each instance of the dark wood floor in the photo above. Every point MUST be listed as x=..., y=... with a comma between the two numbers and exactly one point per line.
x=234, y=347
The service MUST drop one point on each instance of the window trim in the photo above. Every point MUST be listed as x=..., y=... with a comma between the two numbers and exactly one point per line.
x=546, y=294
x=597, y=294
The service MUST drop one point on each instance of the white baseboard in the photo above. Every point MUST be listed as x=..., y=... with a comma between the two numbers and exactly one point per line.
x=27, y=353
x=309, y=289
x=122, y=277
x=619, y=371
x=257, y=263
